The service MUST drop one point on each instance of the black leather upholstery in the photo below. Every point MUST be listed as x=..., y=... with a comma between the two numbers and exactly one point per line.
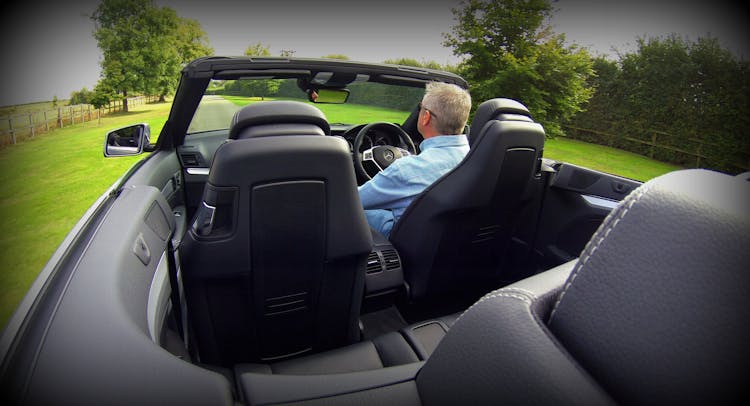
x=384, y=351
x=456, y=232
x=499, y=352
x=411, y=344
x=662, y=292
x=278, y=113
x=496, y=109
x=276, y=267
x=654, y=312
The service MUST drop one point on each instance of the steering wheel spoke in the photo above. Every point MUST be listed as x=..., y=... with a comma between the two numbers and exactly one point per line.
x=382, y=155
x=369, y=156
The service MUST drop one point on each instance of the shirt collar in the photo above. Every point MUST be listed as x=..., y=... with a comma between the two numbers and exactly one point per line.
x=444, y=141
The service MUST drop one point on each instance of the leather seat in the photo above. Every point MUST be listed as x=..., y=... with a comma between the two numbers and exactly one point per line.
x=455, y=234
x=274, y=261
x=411, y=344
x=654, y=311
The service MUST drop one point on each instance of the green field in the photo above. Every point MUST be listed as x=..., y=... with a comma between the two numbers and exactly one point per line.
x=47, y=183
x=343, y=113
x=606, y=159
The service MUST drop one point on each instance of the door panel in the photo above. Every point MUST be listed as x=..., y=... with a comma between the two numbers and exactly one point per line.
x=162, y=171
x=576, y=202
x=109, y=316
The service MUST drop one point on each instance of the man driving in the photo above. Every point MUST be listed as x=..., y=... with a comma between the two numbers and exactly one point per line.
x=443, y=113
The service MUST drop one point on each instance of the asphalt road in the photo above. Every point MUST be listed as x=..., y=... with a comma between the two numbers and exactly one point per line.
x=214, y=113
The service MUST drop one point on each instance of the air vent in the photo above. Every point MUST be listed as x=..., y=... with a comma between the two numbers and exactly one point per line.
x=286, y=304
x=486, y=233
x=373, y=263
x=190, y=160
x=391, y=260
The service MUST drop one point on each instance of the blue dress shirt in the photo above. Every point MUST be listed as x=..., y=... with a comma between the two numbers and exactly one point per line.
x=389, y=193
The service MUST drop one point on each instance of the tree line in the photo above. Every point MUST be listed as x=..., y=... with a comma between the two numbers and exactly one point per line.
x=690, y=97
x=696, y=92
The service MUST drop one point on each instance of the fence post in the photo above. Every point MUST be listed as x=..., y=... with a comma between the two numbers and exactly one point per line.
x=31, y=124
x=653, y=145
x=59, y=117
x=698, y=154
x=12, y=131
x=46, y=123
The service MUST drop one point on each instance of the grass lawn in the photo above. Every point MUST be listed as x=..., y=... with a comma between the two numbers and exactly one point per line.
x=47, y=183
x=606, y=159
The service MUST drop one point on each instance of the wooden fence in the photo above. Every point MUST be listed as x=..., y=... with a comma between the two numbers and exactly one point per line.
x=694, y=152
x=26, y=125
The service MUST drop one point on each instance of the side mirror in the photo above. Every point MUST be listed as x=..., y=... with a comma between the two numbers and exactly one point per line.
x=125, y=141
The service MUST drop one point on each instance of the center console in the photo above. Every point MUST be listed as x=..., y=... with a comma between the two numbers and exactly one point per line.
x=384, y=274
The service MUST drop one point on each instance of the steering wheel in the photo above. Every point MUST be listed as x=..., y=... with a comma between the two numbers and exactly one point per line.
x=380, y=157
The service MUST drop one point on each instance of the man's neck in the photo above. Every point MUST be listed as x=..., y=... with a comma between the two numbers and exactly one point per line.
x=430, y=133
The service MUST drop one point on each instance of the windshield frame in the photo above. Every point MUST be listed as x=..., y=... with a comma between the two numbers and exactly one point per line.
x=196, y=76
x=367, y=101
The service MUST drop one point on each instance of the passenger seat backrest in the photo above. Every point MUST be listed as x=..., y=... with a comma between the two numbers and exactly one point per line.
x=657, y=309
x=654, y=311
x=455, y=234
x=279, y=269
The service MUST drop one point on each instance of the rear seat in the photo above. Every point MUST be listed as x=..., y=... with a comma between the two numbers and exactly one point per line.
x=411, y=344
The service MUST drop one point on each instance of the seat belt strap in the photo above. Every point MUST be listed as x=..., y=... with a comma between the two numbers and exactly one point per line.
x=178, y=294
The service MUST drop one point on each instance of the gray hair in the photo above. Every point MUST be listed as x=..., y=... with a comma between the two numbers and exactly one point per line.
x=450, y=105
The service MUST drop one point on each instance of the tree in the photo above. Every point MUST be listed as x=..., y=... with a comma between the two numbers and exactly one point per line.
x=264, y=87
x=102, y=96
x=510, y=52
x=689, y=96
x=607, y=103
x=414, y=62
x=336, y=56
x=257, y=49
x=188, y=41
x=82, y=96
x=144, y=46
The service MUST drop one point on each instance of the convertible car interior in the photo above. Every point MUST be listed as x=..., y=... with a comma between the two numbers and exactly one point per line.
x=234, y=264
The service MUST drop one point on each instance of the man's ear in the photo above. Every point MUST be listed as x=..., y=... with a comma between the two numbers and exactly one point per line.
x=424, y=120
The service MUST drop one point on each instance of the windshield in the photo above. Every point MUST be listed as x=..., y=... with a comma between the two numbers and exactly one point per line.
x=367, y=102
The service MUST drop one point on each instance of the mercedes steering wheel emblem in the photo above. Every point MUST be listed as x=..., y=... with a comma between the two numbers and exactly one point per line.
x=388, y=155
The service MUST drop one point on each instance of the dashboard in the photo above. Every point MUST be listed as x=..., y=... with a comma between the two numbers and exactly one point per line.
x=197, y=152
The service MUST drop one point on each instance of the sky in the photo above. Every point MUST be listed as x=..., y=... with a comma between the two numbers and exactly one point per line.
x=47, y=48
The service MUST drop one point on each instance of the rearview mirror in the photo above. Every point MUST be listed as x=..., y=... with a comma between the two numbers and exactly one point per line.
x=130, y=140
x=333, y=96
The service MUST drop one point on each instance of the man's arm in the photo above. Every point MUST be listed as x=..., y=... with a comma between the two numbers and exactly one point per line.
x=383, y=190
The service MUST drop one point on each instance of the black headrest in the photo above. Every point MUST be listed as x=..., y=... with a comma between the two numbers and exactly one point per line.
x=657, y=307
x=282, y=117
x=496, y=109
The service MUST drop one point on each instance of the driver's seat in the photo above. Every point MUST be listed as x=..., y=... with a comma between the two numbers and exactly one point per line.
x=454, y=235
x=275, y=259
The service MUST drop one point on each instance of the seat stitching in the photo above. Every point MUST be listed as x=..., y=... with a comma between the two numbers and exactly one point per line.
x=492, y=295
x=530, y=294
x=591, y=248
